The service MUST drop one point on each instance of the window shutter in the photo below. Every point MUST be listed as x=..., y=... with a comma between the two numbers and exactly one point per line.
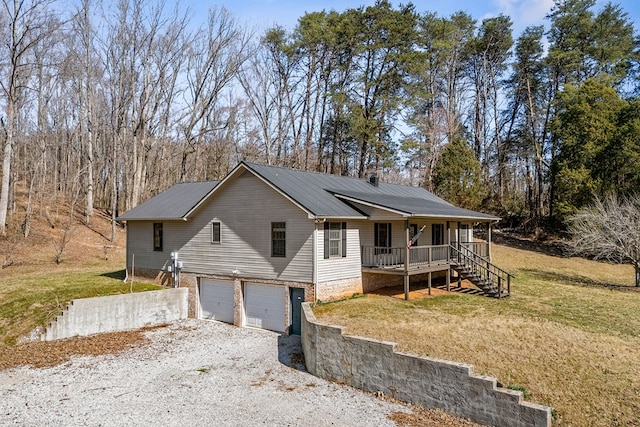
x=389, y=235
x=376, y=228
x=326, y=240
x=344, y=239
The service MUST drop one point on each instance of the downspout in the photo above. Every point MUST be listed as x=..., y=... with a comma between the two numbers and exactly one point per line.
x=407, y=254
x=126, y=265
x=489, y=242
x=314, y=269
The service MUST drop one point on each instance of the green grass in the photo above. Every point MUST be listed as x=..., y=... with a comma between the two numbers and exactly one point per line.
x=29, y=299
x=569, y=335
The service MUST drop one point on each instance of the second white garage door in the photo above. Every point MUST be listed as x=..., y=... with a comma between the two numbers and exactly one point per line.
x=216, y=299
x=264, y=306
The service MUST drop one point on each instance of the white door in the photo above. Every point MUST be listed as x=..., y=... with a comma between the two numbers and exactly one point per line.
x=264, y=306
x=216, y=299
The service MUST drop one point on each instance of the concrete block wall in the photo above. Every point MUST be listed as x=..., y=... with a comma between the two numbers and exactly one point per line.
x=115, y=313
x=374, y=366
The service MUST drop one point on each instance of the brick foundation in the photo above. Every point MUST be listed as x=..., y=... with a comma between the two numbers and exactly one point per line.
x=337, y=289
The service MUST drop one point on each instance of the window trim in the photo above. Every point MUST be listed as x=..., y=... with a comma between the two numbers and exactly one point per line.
x=413, y=230
x=158, y=237
x=342, y=240
x=464, y=231
x=379, y=226
x=376, y=238
x=437, y=236
x=278, y=227
x=214, y=225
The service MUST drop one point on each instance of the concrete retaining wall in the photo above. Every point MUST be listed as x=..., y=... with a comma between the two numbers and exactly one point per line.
x=375, y=366
x=115, y=313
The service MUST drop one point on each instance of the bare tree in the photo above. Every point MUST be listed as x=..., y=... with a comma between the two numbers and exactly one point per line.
x=261, y=92
x=215, y=56
x=609, y=229
x=26, y=24
x=85, y=56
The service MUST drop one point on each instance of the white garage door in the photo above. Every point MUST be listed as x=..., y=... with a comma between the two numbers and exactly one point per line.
x=264, y=306
x=216, y=299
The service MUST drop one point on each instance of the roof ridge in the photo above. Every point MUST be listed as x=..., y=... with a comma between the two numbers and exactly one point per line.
x=204, y=181
x=288, y=168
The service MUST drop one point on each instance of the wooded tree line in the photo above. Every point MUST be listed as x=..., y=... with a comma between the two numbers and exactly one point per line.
x=105, y=105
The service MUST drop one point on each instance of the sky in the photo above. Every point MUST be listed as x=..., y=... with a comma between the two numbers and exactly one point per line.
x=265, y=13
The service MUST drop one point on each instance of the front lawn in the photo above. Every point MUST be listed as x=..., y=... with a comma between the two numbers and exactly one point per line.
x=569, y=335
x=32, y=296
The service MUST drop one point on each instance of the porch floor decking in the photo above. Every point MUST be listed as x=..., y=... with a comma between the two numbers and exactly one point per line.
x=413, y=270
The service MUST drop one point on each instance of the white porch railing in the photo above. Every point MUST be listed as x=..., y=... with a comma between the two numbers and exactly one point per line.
x=376, y=256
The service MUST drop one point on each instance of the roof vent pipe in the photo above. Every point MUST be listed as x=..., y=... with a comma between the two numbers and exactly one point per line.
x=374, y=180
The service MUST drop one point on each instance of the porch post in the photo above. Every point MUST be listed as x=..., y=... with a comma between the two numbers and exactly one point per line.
x=406, y=260
x=448, y=240
x=489, y=242
x=448, y=279
x=429, y=283
x=406, y=286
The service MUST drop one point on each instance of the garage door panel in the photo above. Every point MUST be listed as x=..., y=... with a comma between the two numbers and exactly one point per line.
x=217, y=299
x=264, y=306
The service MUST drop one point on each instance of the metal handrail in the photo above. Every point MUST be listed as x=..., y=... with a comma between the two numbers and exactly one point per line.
x=483, y=259
x=483, y=268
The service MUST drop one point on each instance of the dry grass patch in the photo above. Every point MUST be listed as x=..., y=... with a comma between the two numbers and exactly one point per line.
x=568, y=345
x=34, y=289
x=33, y=298
x=45, y=354
x=424, y=417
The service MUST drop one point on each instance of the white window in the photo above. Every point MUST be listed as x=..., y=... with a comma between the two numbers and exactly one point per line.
x=335, y=239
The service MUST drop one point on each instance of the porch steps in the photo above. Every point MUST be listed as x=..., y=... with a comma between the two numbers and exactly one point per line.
x=487, y=286
x=491, y=279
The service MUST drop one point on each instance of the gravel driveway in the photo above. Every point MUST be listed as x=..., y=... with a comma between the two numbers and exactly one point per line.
x=194, y=372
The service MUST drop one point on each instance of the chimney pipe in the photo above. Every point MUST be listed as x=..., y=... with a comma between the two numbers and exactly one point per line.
x=374, y=180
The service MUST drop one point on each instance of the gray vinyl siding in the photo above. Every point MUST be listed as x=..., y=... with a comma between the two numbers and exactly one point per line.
x=245, y=208
x=398, y=234
x=140, y=253
x=398, y=238
x=336, y=268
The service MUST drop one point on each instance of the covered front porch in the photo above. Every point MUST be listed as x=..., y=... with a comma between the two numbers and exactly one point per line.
x=468, y=260
x=416, y=259
x=405, y=237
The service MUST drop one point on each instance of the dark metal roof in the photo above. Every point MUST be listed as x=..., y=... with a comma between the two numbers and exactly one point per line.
x=174, y=203
x=319, y=194
x=415, y=206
